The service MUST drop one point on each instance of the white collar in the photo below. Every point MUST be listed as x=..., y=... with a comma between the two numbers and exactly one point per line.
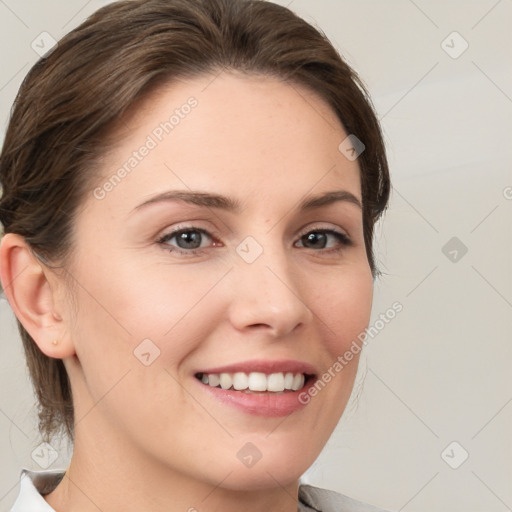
x=33, y=484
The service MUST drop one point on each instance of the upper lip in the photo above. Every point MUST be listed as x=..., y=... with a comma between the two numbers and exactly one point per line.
x=264, y=366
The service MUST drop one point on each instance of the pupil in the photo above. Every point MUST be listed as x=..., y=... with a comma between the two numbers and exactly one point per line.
x=314, y=238
x=189, y=240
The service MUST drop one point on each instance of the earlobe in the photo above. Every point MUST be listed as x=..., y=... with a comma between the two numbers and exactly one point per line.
x=30, y=293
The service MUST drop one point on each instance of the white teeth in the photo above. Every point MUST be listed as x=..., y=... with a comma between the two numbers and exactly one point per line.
x=298, y=382
x=275, y=382
x=213, y=380
x=240, y=381
x=225, y=381
x=255, y=381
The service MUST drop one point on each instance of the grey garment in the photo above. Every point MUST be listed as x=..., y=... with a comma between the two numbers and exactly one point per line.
x=321, y=500
x=35, y=484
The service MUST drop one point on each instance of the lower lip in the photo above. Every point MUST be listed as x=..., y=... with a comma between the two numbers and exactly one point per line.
x=259, y=404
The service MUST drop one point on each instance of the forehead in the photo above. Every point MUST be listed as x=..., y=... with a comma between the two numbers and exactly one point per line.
x=219, y=132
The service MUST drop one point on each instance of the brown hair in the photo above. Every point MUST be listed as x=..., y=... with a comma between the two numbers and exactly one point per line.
x=74, y=95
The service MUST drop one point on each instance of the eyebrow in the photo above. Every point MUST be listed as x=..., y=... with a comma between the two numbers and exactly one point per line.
x=233, y=205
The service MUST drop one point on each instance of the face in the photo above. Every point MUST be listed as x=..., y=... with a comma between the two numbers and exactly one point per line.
x=237, y=277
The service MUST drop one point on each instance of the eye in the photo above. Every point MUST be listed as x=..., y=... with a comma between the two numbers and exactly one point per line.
x=187, y=240
x=192, y=240
x=322, y=239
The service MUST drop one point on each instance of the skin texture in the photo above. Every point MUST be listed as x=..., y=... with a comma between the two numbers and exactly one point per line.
x=150, y=437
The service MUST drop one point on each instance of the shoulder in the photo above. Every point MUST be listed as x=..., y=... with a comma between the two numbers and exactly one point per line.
x=33, y=485
x=323, y=500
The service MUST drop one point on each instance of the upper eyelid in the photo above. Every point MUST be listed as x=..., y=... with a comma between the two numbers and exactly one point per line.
x=192, y=227
x=173, y=232
x=308, y=229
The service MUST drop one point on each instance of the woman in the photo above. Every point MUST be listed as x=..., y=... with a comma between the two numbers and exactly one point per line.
x=189, y=195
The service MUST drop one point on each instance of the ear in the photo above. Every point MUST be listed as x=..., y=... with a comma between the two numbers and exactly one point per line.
x=32, y=291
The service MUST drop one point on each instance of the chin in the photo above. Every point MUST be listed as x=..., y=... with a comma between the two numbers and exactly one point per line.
x=258, y=477
x=269, y=465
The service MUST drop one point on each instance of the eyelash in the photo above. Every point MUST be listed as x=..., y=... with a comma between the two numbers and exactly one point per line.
x=343, y=239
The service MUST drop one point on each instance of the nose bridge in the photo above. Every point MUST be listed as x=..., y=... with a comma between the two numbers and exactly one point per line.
x=266, y=291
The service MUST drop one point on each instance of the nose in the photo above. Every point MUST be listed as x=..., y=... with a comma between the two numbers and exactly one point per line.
x=267, y=296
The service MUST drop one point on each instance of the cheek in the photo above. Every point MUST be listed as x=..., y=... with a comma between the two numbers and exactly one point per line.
x=121, y=306
x=345, y=308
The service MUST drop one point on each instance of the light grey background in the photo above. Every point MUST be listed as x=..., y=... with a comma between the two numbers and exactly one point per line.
x=439, y=372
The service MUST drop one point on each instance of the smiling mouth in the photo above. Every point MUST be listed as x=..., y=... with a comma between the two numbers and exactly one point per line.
x=256, y=382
